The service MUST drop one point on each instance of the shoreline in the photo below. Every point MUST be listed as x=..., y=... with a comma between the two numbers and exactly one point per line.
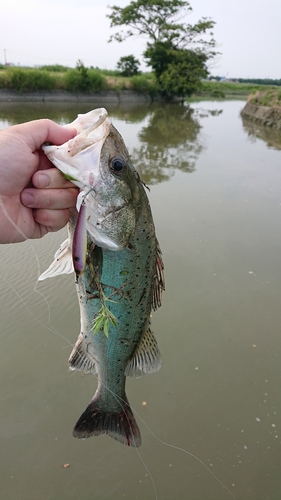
x=268, y=116
x=109, y=96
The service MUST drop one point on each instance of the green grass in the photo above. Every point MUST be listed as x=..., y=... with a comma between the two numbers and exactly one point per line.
x=90, y=81
x=60, y=77
x=74, y=80
x=222, y=89
x=270, y=97
x=144, y=83
x=27, y=80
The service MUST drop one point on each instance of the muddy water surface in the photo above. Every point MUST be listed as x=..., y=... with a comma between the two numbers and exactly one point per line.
x=216, y=198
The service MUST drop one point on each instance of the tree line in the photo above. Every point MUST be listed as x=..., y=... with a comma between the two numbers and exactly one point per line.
x=260, y=81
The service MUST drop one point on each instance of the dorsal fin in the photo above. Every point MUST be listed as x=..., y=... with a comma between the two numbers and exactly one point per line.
x=146, y=358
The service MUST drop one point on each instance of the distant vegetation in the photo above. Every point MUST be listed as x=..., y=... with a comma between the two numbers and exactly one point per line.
x=57, y=68
x=128, y=65
x=225, y=88
x=251, y=81
x=80, y=79
x=260, y=81
x=83, y=79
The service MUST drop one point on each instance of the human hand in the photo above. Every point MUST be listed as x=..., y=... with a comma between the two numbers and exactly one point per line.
x=34, y=197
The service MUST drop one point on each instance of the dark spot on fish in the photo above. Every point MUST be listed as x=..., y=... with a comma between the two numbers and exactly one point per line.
x=142, y=295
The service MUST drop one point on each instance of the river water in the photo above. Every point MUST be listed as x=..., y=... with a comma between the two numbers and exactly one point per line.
x=215, y=406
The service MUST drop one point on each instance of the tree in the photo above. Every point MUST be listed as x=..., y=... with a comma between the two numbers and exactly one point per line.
x=178, y=71
x=178, y=52
x=183, y=77
x=128, y=65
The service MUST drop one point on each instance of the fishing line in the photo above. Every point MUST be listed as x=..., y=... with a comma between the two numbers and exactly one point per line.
x=178, y=448
x=188, y=453
x=51, y=328
x=119, y=400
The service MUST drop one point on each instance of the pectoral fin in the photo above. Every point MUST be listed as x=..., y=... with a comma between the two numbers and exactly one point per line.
x=62, y=264
x=146, y=358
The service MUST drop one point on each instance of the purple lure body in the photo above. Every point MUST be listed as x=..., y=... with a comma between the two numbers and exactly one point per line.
x=79, y=245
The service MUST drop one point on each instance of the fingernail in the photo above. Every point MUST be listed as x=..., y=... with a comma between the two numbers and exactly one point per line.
x=27, y=199
x=43, y=180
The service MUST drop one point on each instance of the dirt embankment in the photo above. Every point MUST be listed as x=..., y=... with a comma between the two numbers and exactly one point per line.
x=268, y=115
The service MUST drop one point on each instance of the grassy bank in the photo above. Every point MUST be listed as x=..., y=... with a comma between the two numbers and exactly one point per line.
x=269, y=97
x=82, y=79
x=225, y=89
x=74, y=80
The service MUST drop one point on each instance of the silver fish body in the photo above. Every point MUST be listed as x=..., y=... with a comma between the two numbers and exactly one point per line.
x=121, y=283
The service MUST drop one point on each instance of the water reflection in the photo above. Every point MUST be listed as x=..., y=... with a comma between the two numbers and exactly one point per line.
x=271, y=136
x=62, y=113
x=168, y=138
x=169, y=141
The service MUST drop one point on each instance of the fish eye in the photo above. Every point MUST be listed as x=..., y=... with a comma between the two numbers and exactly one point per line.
x=117, y=164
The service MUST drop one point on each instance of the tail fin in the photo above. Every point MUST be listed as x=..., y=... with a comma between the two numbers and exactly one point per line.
x=121, y=426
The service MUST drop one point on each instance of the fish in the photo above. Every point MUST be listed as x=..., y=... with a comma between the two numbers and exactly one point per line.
x=113, y=250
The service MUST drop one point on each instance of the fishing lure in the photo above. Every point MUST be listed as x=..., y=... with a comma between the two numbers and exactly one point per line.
x=79, y=245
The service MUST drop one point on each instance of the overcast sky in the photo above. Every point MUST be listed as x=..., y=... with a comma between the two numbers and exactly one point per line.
x=38, y=32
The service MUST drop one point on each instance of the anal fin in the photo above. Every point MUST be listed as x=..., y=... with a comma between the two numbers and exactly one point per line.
x=146, y=358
